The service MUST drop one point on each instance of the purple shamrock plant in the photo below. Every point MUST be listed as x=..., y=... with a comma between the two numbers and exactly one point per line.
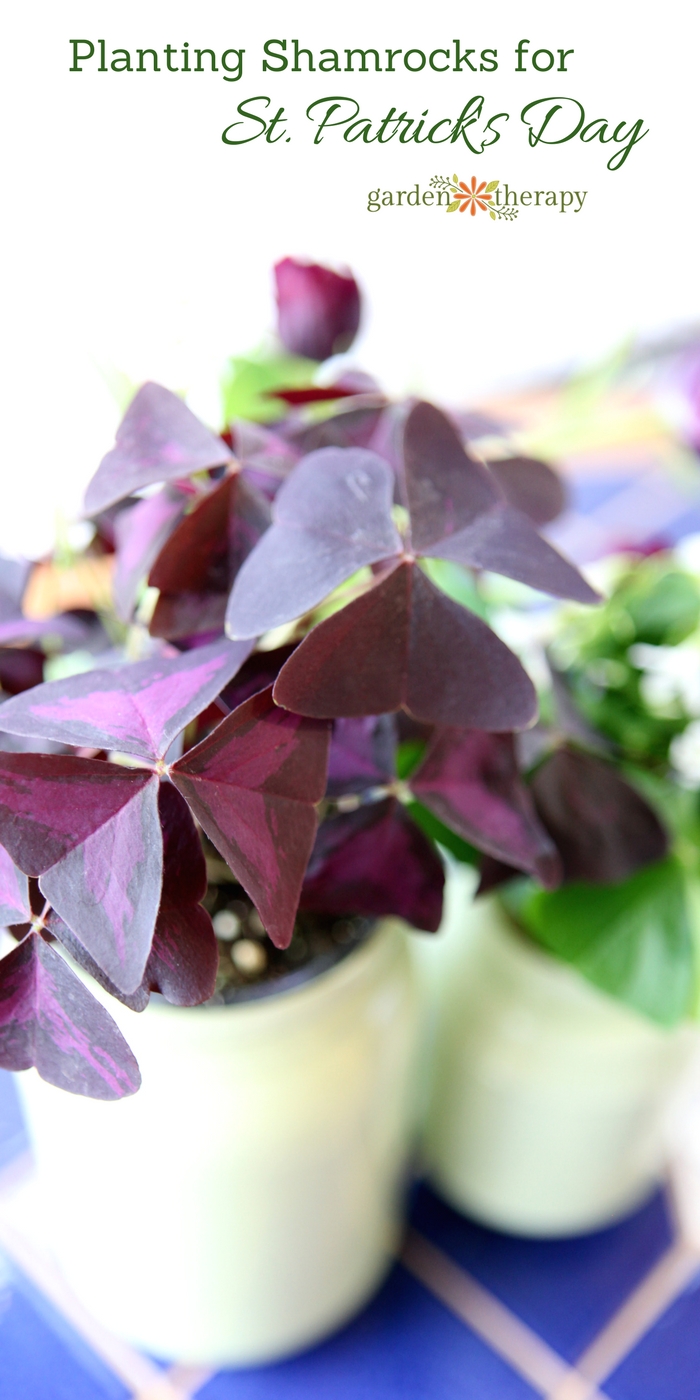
x=285, y=752
x=114, y=848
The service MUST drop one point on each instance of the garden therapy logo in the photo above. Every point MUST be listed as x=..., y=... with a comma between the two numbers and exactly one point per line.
x=493, y=197
x=472, y=197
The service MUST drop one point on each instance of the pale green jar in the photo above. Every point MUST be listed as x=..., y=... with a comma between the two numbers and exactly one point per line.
x=548, y=1099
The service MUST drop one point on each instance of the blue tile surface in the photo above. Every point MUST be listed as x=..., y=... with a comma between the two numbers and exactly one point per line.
x=405, y=1344
x=41, y=1358
x=666, y=1363
x=566, y=1290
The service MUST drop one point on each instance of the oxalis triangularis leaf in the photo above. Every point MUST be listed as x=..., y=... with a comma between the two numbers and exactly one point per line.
x=403, y=643
x=48, y=1018
x=158, y=439
x=91, y=832
x=373, y=858
x=197, y=565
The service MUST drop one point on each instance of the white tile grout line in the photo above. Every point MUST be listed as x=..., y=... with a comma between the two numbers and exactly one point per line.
x=189, y=1380
x=649, y=1301
x=524, y=1351
x=504, y=1332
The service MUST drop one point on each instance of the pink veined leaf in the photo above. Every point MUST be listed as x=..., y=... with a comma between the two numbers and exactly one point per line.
x=375, y=861
x=14, y=892
x=50, y=804
x=331, y=517
x=140, y=533
x=470, y=780
x=196, y=568
x=158, y=439
x=137, y=709
x=362, y=754
x=50, y=1020
x=253, y=785
x=458, y=512
x=183, y=960
x=533, y=487
x=404, y=643
x=108, y=889
x=603, y=829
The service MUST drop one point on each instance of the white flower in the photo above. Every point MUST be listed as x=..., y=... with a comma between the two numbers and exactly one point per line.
x=685, y=755
x=672, y=676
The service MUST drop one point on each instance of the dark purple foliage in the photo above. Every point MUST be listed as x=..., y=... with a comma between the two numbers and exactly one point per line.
x=404, y=643
x=183, y=959
x=197, y=565
x=330, y=518
x=253, y=785
x=50, y=1020
x=375, y=861
x=20, y=669
x=470, y=780
x=158, y=439
x=136, y=709
x=318, y=311
x=603, y=829
x=458, y=512
x=531, y=486
x=103, y=861
x=140, y=531
x=362, y=754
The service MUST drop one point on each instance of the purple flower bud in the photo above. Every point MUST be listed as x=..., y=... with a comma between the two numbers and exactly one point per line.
x=318, y=310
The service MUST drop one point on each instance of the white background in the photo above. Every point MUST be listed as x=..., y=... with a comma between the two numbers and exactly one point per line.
x=138, y=244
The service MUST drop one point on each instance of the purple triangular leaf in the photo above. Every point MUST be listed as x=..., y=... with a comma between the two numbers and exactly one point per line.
x=199, y=562
x=14, y=892
x=158, y=439
x=140, y=534
x=108, y=889
x=459, y=512
x=405, y=643
x=531, y=486
x=183, y=960
x=136, y=1001
x=136, y=709
x=603, y=829
x=446, y=489
x=375, y=861
x=362, y=754
x=253, y=785
x=50, y=1020
x=470, y=780
x=506, y=542
x=209, y=545
x=331, y=517
x=49, y=804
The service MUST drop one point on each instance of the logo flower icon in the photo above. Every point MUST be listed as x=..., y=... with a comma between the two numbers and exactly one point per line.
x=471, y=196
